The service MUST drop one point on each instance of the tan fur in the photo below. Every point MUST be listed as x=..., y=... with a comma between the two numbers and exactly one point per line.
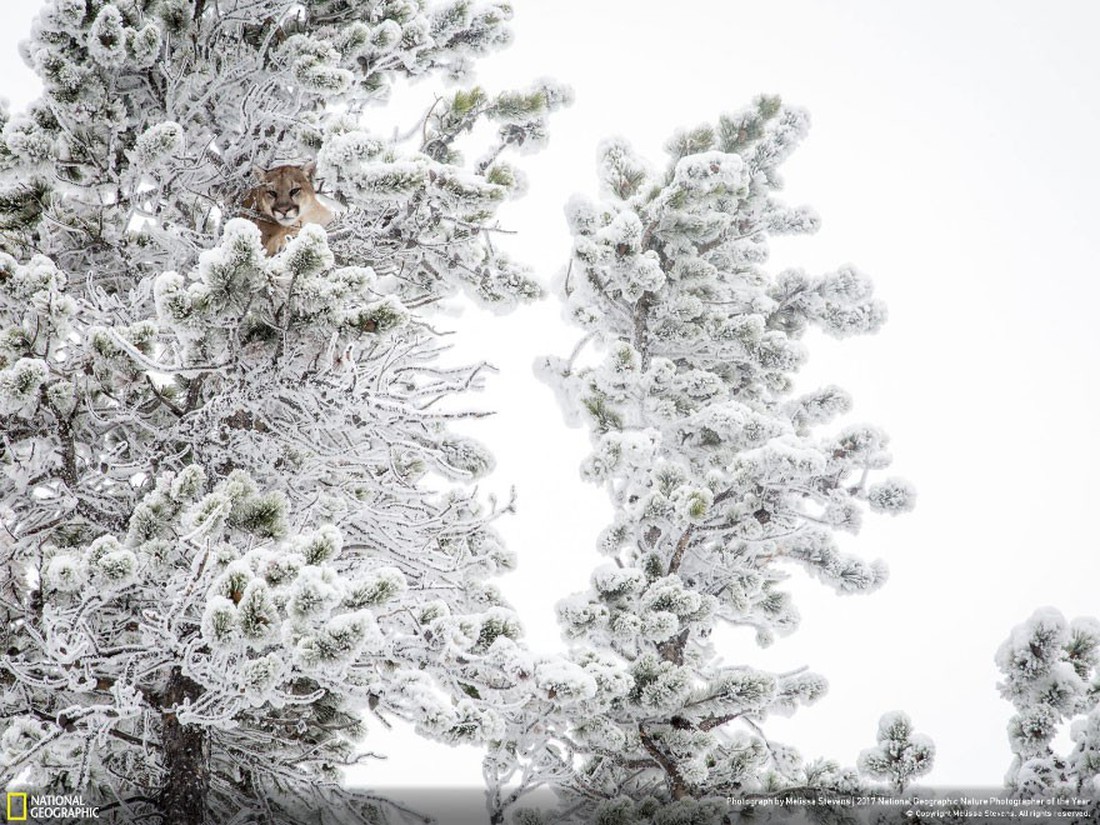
x=285, y=201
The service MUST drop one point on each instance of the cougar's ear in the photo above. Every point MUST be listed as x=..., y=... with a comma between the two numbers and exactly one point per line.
x=259, y=173
x=309, y=168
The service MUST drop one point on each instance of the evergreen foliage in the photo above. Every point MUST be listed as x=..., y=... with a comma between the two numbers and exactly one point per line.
x=900, y=755
x=1051, y=673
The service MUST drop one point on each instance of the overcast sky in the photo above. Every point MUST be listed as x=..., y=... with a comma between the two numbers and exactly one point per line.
x=952, y=158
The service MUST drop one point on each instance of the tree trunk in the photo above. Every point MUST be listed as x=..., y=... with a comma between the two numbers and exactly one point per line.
x=186, y=751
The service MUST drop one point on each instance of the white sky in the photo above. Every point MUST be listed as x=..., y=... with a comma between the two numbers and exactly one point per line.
x=952, y=158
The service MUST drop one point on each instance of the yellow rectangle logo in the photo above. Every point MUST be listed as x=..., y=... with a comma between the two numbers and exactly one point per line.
x=17, y=807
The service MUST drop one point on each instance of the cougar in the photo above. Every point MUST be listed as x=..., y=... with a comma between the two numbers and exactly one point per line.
x=285, y=201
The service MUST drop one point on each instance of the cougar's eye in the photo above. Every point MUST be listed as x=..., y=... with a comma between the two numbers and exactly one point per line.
x=271, y=193
x=294, y=191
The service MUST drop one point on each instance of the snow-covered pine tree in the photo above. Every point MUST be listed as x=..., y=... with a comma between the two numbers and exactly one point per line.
x=1052, y=675
x=900, y=755
x=721, y=477
x=233, y=511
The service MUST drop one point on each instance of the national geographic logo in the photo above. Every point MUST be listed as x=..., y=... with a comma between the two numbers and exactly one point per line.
x=17, y=807
x=24, y=807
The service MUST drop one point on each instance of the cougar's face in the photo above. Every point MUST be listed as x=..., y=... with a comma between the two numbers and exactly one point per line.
x=281, y=193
